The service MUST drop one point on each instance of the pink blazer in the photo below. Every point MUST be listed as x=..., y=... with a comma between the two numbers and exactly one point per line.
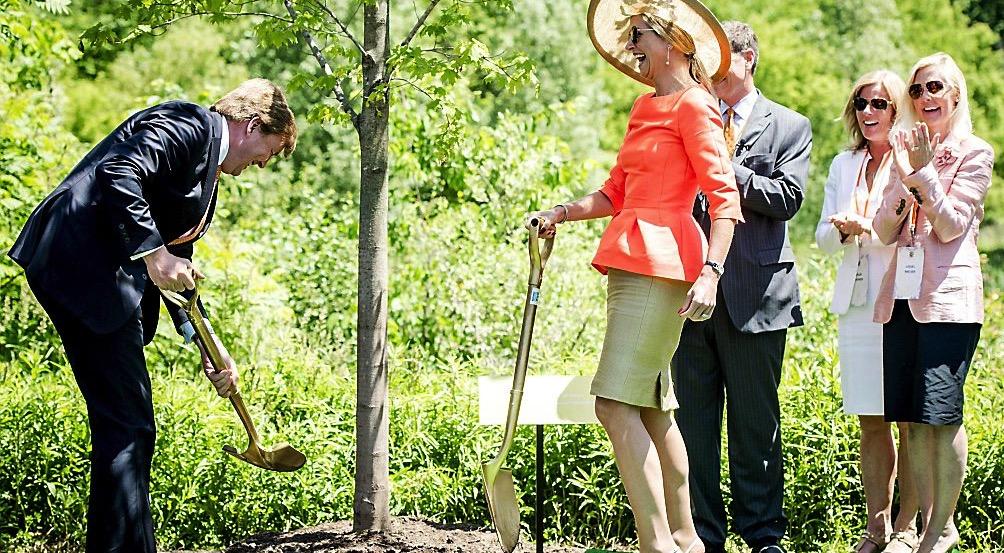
x=951, y=191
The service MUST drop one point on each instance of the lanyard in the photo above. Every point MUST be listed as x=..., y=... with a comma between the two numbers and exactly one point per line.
x=914, y=211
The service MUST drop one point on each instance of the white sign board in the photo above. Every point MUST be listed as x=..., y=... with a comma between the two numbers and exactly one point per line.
x=546, y=400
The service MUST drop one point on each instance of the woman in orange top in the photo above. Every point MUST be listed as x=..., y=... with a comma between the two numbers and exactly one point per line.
x=660, y=268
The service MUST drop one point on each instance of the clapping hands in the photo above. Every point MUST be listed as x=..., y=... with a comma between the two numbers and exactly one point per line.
x=851, y=224
x=912, y=149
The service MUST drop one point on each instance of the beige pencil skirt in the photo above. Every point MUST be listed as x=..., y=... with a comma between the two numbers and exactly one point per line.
x=643, y=331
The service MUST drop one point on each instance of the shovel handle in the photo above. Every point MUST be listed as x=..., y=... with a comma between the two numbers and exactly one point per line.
x=205, y=340
x=538, y=258
x=538, y=255
x=207, y=345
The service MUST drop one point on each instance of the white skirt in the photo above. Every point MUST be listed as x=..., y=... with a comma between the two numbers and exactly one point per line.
x=860, y=347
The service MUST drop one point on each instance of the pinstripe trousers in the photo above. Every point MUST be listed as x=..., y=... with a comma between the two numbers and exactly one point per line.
x=718, y=368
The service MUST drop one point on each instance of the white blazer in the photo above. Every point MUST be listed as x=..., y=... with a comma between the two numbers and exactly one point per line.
x=845, y=170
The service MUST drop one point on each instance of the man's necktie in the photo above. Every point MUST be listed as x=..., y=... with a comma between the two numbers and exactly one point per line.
x=730, y=134
x=194, y=232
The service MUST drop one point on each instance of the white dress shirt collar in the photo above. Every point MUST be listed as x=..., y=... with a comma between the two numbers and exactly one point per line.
x=224, y=140
x=743, y=108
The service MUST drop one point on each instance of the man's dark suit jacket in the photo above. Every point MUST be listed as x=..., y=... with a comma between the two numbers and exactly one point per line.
x=760, y=284
x=143, y=186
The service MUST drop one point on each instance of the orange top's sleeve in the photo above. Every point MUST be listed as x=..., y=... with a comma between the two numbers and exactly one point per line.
x=613, y=189
x=704, y=142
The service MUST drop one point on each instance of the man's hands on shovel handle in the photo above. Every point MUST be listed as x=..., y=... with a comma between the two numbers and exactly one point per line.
x=170, y=272
x=224, y=380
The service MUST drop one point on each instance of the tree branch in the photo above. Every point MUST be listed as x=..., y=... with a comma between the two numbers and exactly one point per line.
x=228, y=14
x=419, y=23
x=343, y=27
x=325, y=66
x=413, y=85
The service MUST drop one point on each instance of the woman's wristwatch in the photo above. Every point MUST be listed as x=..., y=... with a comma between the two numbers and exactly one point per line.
x=716, y=267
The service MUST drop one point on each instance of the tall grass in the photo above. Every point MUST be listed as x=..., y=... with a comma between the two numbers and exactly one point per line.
x=456, y=301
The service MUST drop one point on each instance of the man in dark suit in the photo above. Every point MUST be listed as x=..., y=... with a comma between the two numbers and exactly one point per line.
x=733, y=359
x=99, y=247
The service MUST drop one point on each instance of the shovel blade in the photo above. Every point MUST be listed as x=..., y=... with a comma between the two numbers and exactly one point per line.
x=281, y=458
x=502, y=505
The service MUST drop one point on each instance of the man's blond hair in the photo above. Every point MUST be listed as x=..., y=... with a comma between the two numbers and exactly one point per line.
x=264, y=99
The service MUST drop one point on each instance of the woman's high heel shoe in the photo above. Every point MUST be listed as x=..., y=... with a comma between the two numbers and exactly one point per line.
x=902, y=542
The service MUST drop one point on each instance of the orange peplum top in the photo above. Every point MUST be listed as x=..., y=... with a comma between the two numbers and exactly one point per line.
x=674, y=145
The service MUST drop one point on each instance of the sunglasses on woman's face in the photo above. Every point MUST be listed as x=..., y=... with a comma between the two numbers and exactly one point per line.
x=636, y=34
x=878, y=103
x=934, y=87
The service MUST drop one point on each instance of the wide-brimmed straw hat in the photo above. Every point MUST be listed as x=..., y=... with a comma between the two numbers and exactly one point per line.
x=609, y=23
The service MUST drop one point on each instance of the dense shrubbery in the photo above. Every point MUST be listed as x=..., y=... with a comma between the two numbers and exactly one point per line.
x=306, y=395
x=281, y=261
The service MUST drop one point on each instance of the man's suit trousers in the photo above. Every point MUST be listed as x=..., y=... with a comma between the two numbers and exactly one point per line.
x=111, y=373
x=718, y=368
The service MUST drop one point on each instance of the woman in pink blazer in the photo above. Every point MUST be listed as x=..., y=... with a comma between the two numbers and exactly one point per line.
x=854, y=190
x=931, y=300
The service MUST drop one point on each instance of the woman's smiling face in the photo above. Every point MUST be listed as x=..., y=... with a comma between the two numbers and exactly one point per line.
x=935, y=109
x=649, y=50
x=875, y=123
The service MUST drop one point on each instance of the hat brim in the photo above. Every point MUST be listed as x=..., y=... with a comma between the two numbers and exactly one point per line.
x=608, y=31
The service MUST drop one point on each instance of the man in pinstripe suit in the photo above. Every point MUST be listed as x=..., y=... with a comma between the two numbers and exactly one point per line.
x=733, y=360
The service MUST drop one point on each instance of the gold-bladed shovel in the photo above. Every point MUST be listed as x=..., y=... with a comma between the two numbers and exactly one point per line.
x=281, y=458
x=499, y=487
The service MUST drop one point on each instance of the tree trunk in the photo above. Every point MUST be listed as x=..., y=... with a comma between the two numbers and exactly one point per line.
x=371, y=509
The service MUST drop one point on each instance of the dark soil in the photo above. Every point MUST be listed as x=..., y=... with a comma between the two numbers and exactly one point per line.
x=409, y=535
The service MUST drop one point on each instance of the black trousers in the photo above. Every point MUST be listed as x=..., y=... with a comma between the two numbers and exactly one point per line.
x=717, y=367
x=110, y=371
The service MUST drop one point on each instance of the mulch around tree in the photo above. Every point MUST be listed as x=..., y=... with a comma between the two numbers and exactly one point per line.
x=409, y=535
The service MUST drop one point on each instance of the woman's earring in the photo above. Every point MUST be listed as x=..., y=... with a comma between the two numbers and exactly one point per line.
x=668, y=52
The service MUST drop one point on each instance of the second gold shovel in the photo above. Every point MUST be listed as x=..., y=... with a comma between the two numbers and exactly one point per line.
x=499, y=487
x=281, y=458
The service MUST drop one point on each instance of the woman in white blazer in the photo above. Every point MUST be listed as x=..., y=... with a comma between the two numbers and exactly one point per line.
x=854, y=190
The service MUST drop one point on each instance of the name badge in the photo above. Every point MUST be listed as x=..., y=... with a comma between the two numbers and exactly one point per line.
x=909, y=272
x=859, y=294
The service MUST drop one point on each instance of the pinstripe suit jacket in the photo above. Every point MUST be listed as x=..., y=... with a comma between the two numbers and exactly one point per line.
x=760, y=284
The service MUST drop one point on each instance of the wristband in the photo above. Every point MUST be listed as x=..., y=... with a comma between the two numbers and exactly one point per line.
x=565, y=209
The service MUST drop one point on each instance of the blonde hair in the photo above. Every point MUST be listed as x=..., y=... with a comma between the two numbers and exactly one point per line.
x=263, y=99
x=961, y=123
x=680, y=39
x=894, y=87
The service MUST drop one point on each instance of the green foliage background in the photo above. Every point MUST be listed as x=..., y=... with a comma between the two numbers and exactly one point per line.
x=281, y=263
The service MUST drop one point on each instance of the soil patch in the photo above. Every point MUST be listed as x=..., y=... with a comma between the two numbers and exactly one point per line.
x=409, y=535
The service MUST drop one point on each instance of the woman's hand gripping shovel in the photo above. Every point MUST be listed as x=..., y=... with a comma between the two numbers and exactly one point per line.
x=281, y=458
x=499, y=487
